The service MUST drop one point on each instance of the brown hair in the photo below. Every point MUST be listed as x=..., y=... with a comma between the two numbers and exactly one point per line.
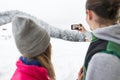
x=45, y=60
x=105, y=9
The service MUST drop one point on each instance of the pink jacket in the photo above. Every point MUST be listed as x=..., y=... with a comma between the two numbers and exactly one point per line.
x=29, y=72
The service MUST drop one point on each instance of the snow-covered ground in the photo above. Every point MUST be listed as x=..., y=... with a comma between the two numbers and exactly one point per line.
x=67, y=56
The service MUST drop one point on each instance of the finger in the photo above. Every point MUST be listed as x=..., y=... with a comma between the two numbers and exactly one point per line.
x=80, y=72
x=80, y=77
x=81, y=69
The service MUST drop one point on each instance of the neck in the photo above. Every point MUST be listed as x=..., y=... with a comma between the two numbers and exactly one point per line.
x=97, y=25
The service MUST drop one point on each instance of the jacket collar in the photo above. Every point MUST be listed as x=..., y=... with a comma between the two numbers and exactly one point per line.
x=29, y=61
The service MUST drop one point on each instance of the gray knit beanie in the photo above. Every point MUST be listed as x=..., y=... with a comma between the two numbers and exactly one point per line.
x=30, y=38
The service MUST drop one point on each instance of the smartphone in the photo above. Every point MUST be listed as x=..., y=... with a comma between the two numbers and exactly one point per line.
x=76, y=26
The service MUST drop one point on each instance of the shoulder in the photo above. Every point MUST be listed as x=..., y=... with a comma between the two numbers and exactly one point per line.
x=105, y=58
x=102, y=65
x=29, y=72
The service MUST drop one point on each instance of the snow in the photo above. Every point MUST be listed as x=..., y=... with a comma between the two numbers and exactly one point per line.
x=67, y=56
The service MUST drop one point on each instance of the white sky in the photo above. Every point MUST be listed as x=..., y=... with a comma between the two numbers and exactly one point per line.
x=59, y=13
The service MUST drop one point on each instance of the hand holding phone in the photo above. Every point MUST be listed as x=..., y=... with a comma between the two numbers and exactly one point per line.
x=78, y=27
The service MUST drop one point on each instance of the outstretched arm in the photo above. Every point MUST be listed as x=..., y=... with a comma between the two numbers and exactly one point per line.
x=6, y=17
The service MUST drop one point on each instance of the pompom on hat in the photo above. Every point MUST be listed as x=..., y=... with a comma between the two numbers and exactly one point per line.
x=31, y=39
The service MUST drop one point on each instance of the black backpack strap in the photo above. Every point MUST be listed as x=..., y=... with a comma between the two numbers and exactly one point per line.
x=95, y=47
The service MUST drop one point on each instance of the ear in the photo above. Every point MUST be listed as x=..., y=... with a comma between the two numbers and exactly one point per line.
x=89, y=14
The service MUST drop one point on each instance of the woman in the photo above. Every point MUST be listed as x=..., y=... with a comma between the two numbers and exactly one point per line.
x=33, y=42
x=102, y=61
